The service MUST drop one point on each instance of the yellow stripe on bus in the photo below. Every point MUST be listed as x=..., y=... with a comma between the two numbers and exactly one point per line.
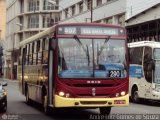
x=91, y=102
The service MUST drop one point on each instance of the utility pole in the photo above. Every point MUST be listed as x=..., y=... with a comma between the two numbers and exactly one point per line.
x=91, y=11
x=1, y=54
x=13, y=57
x=0, y=34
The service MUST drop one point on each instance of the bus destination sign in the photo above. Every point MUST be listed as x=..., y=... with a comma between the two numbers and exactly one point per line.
x=90, y=30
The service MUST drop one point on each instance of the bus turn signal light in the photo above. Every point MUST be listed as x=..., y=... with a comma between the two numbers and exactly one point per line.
x=67, y=95
x=117, y=94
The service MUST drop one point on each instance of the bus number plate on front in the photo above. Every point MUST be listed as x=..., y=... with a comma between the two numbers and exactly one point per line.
x=114, y=73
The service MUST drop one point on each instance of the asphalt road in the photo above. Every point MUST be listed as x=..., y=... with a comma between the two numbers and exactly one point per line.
x=19, y=110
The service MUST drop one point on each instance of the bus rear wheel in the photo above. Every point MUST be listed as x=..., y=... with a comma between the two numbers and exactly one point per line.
x=105, y=110
x=28, y=100
x=135, y=96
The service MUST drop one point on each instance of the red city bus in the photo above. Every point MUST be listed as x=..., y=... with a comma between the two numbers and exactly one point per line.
x=80, y=65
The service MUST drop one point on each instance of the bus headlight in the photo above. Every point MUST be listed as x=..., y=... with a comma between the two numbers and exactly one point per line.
x=61, y=94
x=123, y=93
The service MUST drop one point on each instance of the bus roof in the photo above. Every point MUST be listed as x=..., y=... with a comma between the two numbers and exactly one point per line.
x=151, y=44
x=52, y=29
x=90, y=24
x=38, y=36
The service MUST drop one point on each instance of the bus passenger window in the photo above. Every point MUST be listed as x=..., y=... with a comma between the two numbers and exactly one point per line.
x=43, y=44
x=138, y=51
x=38, y=46
x=34, y=54
x=45, y=51
x=45, y=57
x=39, y=53
x=30, y=54
x=24, y=56
x=147, y=64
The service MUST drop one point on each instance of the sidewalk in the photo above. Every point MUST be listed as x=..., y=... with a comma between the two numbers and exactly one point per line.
x=11, y=80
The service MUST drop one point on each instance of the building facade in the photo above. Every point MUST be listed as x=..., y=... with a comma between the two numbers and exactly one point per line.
x=134, y=7
x=144, y=24
x=2, y=19
x=24, y=19
x=104, y=11
x=2, y=33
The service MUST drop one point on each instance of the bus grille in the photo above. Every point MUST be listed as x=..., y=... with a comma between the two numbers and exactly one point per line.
x=91, y=96
x=93, y=102
x=93, y=85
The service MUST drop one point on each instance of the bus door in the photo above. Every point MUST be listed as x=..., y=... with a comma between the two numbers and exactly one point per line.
x=147, y=66
x=51, y=73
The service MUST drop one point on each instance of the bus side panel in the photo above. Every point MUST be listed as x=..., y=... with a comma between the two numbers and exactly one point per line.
x=36, y=79
x=140, y=71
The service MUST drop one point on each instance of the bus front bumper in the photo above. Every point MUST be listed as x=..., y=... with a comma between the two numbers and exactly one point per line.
x=91, y=102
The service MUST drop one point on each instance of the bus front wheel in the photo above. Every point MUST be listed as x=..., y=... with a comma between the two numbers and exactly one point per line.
x=46, y=108
x=135, y=96
x=105, y=110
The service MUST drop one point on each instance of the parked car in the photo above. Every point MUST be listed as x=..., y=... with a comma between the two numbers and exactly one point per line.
x=3, y=97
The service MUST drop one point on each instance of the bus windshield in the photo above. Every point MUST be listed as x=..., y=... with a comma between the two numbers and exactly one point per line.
x=157, y=71
x=88, y=58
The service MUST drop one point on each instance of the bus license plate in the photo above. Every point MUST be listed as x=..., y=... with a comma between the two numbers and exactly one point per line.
x=119, y=102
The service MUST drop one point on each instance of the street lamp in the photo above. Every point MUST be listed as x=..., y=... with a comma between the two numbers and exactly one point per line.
x=53, y=2
x=19, y=24
x=91, y=11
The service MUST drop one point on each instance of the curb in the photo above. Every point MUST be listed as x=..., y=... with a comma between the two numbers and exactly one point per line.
x=10, y=80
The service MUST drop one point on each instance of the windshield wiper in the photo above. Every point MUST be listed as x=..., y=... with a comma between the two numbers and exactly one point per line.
x=86, y=50
x=88, y=55
x=102, y=47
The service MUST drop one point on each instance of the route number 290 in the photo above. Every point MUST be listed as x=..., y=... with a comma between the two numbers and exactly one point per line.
x=114, y=73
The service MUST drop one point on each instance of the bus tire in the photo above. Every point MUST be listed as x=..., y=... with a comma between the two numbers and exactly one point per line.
x=46, y=108
x=135, y=96
x=105, y=110
x=28, y=100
